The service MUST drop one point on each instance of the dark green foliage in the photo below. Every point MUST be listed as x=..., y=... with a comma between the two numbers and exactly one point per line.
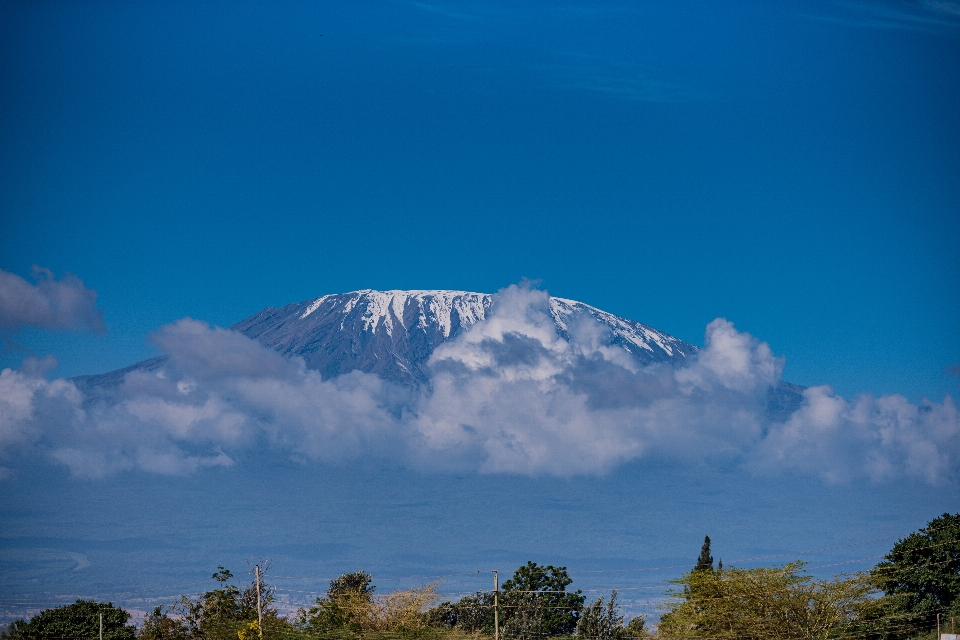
x=921, y=574
x=636, y=628
x=600, y=621
x=357, y=583
x=158, y=625
x=77, y=621
x=470, y=613
x=525, y=616
x=533, y=603
x=216, y=615
x=536, y=590
x=705, y=561
x=221, y=575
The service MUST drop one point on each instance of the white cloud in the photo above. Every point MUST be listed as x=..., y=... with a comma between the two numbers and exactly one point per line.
x=881, y=438
x=507, y=396
x=49, y=304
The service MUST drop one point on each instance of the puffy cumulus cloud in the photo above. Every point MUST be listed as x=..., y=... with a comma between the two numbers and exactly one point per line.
x=512, y=396
x=49, y=304
x=882, y=438
x=217, y=396
x=508, y=396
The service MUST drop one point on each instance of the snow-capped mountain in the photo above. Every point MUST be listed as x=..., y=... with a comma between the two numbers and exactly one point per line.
x=393, y=333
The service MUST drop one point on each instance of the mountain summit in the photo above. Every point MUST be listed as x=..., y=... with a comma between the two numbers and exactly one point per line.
x=393, y=333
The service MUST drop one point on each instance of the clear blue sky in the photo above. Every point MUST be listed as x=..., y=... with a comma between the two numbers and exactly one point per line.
x=793, y=167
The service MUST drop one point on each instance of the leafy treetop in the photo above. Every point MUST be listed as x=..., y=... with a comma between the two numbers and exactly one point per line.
x=548, y=584
x=77, y=621
x=923, y=569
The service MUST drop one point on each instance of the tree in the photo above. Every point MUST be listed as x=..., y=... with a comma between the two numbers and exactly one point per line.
x=536, y=590
x=471, y=613
x=346, y=606
x=356, y=583
x=524, y=619
x=922, y=572
x=158, y=625
x=402, y=610
x=601, y=622
x=636, y=628
x=221, y=613
x=77, y=621
x=771, y=602
x=350, y=605
x=705, y=561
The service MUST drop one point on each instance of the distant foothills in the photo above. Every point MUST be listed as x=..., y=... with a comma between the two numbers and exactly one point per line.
x=912, y=594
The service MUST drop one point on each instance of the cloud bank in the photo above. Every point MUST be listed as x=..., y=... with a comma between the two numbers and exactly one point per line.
x=507, y=396
x=48, y=304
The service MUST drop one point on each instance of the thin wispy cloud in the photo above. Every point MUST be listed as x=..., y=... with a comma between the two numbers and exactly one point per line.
x=460, y=11
x=586, y=72
x=507, y=396
x=930, y=14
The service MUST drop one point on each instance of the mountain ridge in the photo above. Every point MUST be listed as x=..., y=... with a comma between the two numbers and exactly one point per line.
x=393, y=333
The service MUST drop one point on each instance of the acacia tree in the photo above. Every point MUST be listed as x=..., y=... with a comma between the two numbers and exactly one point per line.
x=773, y=602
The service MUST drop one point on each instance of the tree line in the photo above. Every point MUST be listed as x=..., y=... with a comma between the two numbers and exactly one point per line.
x=899, y=599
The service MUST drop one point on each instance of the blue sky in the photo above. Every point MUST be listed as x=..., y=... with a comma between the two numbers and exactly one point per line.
x=792, y=167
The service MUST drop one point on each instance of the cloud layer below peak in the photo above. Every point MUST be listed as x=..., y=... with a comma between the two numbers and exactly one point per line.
x=507, y=396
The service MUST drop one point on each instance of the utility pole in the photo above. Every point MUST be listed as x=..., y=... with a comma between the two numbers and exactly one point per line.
x=496, y=606
x=101, y=625
x=259, y=605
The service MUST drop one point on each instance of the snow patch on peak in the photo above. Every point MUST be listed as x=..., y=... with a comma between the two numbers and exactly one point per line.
x=448, y=312
x=387, y=309
x=379, y=304
x=314, y=306
x=470, y=307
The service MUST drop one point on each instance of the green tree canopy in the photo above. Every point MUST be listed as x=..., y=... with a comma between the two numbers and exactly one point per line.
x=77, y=621
x=356, y=583
x=470, y=613
x=599, y=621
x=158, y=625
x=922, y=571
x=543, y=590
x=215, y=615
